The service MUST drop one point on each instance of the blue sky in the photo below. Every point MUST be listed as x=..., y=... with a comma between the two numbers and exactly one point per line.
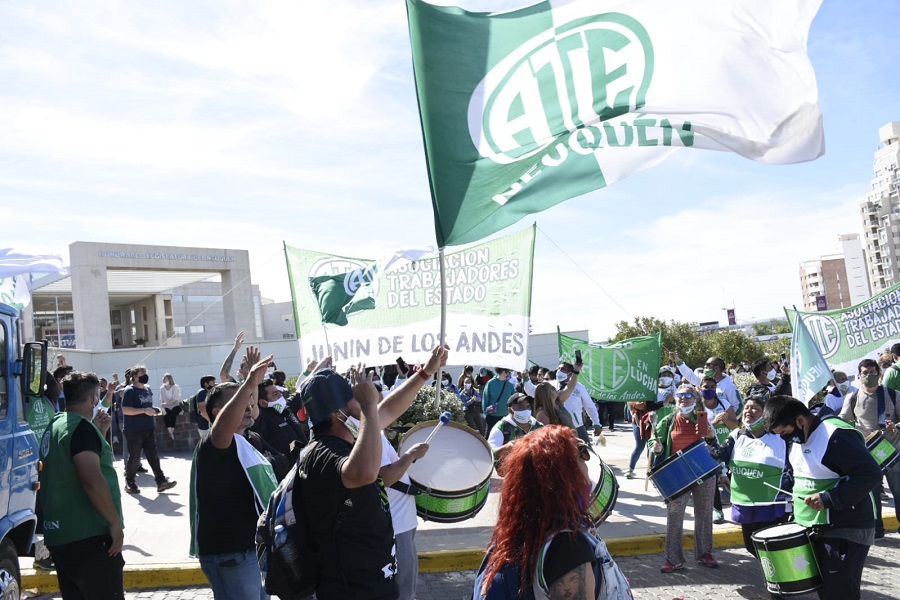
x=243, y=124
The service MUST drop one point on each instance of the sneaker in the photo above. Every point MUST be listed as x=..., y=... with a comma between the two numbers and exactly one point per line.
x=718, y=516
x=879, y=534
x=132, y=488
x=629, y=474
x=708, y=560
x=668, y=567
x=166, y=484
x=141, y=469
x=45, y=564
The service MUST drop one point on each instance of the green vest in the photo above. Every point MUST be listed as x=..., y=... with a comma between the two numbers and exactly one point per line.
x=69, y=515
x=810, y=475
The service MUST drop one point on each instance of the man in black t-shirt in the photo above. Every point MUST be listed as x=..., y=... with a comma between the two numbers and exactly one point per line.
x=232, y=485
x=207, y=382
x=276, y=423
x=140, y=427
x=343, y=496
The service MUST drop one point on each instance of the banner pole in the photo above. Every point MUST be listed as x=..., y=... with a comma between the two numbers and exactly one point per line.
x=443, y=335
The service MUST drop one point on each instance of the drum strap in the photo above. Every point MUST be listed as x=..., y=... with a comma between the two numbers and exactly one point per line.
x=406, y=488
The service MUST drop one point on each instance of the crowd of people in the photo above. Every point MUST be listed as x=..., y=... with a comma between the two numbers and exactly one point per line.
x=779, y=460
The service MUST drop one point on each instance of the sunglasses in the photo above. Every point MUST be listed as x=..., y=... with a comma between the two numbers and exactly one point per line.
x=681, y=395
x=584, y=452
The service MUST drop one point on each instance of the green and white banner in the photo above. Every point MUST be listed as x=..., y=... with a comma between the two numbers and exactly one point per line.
x=524, y=109
x=845, y=336
x=363, y=310
x=626, y=371
x=810, y=371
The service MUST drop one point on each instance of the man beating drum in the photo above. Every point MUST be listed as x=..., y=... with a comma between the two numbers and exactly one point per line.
x=834, y=475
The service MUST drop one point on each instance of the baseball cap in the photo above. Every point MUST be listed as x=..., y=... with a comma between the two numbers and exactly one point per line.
x=324, y=393
x=666, y=369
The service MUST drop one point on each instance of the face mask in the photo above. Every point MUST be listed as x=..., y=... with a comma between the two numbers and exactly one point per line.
x=666, y=381
x=870, y=380
x=352, y=424
x=771, y=374
x=522, y=416
x=513, y=379
x=468, y=386
x=708, y=394
x=561, y=376
x=709, y=372
x=686, y=410
x=797, y=436
x=844, y=387
x=144, y=378
x=279, y=405
x=756, y=425
x=445, y=383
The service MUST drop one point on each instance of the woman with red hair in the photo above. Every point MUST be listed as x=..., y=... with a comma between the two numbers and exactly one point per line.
x=545, y=493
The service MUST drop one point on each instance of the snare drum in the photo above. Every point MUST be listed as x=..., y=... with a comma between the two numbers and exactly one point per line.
x=455, y=473
x=788, y=559
x=882, y=450
x=683, y=470
x=604, y=494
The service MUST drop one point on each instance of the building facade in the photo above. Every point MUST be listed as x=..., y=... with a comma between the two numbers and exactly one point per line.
x=881, y=212
x=837, y=280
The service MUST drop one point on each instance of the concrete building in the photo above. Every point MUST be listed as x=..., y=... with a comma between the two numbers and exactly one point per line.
x=881, y=212
x=837, y=280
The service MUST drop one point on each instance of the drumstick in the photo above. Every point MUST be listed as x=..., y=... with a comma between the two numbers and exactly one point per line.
x=445, y=418
x=778, y=488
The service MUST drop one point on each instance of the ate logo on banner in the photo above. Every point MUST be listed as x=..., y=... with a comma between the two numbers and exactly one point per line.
x=569, y=91
x=825, y=331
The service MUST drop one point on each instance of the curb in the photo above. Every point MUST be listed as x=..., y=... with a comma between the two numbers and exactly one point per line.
x=149, y=576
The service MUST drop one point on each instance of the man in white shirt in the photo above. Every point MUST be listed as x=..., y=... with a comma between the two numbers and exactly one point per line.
x=715, y=368
x=579, y=401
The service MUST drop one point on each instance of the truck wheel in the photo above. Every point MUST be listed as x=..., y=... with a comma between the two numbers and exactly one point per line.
x=9, y=571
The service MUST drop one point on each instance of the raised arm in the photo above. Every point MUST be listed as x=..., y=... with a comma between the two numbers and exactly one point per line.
x=399, y=400
x=232, y=413
x=362, y=466
x=225, y=371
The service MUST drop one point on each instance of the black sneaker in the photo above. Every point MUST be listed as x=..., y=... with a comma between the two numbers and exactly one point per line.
x=141, y=469
x=165, y=484
x=45, y=564
x=132, y=488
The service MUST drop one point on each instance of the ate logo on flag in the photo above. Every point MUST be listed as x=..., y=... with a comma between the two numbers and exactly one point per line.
x=581, y=78
x=343, y=286
x=825, y=331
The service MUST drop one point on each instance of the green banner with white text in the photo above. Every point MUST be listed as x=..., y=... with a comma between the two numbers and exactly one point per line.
x=626, y=371
x=845, y=336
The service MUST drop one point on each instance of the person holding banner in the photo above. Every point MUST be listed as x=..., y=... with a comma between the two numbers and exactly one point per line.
x=834, y=476
x=674, y=433
x=874, y=408
x=577, y=400
x=756, y=501
x=715, y=368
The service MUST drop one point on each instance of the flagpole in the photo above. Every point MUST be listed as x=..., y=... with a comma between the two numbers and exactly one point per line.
x=442, y=337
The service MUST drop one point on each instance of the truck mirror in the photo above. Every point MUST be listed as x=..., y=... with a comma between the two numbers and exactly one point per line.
x=35, y=364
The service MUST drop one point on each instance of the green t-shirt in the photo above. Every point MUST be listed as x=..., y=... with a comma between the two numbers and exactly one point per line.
x=892, y=378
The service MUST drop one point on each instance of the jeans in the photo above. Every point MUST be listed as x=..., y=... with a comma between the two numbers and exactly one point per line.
x=475, y=420
x=234, y=576
x=639, y=446
x=407, y=564
x=137, y=441
x=893, y=479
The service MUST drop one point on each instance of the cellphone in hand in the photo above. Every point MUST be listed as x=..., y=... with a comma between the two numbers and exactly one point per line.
x=578, y=356
x=404, y=368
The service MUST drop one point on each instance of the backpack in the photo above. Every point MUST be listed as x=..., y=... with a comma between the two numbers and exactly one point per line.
x=287, y=561
x=193, y=410
x=505, y=584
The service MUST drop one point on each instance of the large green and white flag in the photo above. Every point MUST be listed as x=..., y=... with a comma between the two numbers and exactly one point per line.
x=524, y=109
x=14, y=291
x=374, y=311
x=845, y=336
x=810, y=371
x=626, y=371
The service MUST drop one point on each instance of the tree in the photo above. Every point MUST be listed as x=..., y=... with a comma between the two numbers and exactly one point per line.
x=771, y=327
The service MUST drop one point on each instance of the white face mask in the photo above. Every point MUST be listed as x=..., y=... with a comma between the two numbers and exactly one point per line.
x=468, y=386
x=666, y=381
x=352, y=424
x=444, y=383
x=844, y=387
x=279, y=405
x=522, y=416
x=513, y=379
x=771, y=374
x=686, y=410
x=561, y=376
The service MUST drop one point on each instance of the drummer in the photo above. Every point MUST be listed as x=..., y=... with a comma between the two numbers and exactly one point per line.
x=674, y=433
x=834, y=475
x=513, y=426
x=723, y=419
x=755, y=458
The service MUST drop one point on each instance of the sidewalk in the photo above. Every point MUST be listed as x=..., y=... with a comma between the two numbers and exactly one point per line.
x=157, y=532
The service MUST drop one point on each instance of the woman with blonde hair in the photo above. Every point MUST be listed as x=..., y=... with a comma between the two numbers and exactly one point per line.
x=170, y=399
x=548, y=408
